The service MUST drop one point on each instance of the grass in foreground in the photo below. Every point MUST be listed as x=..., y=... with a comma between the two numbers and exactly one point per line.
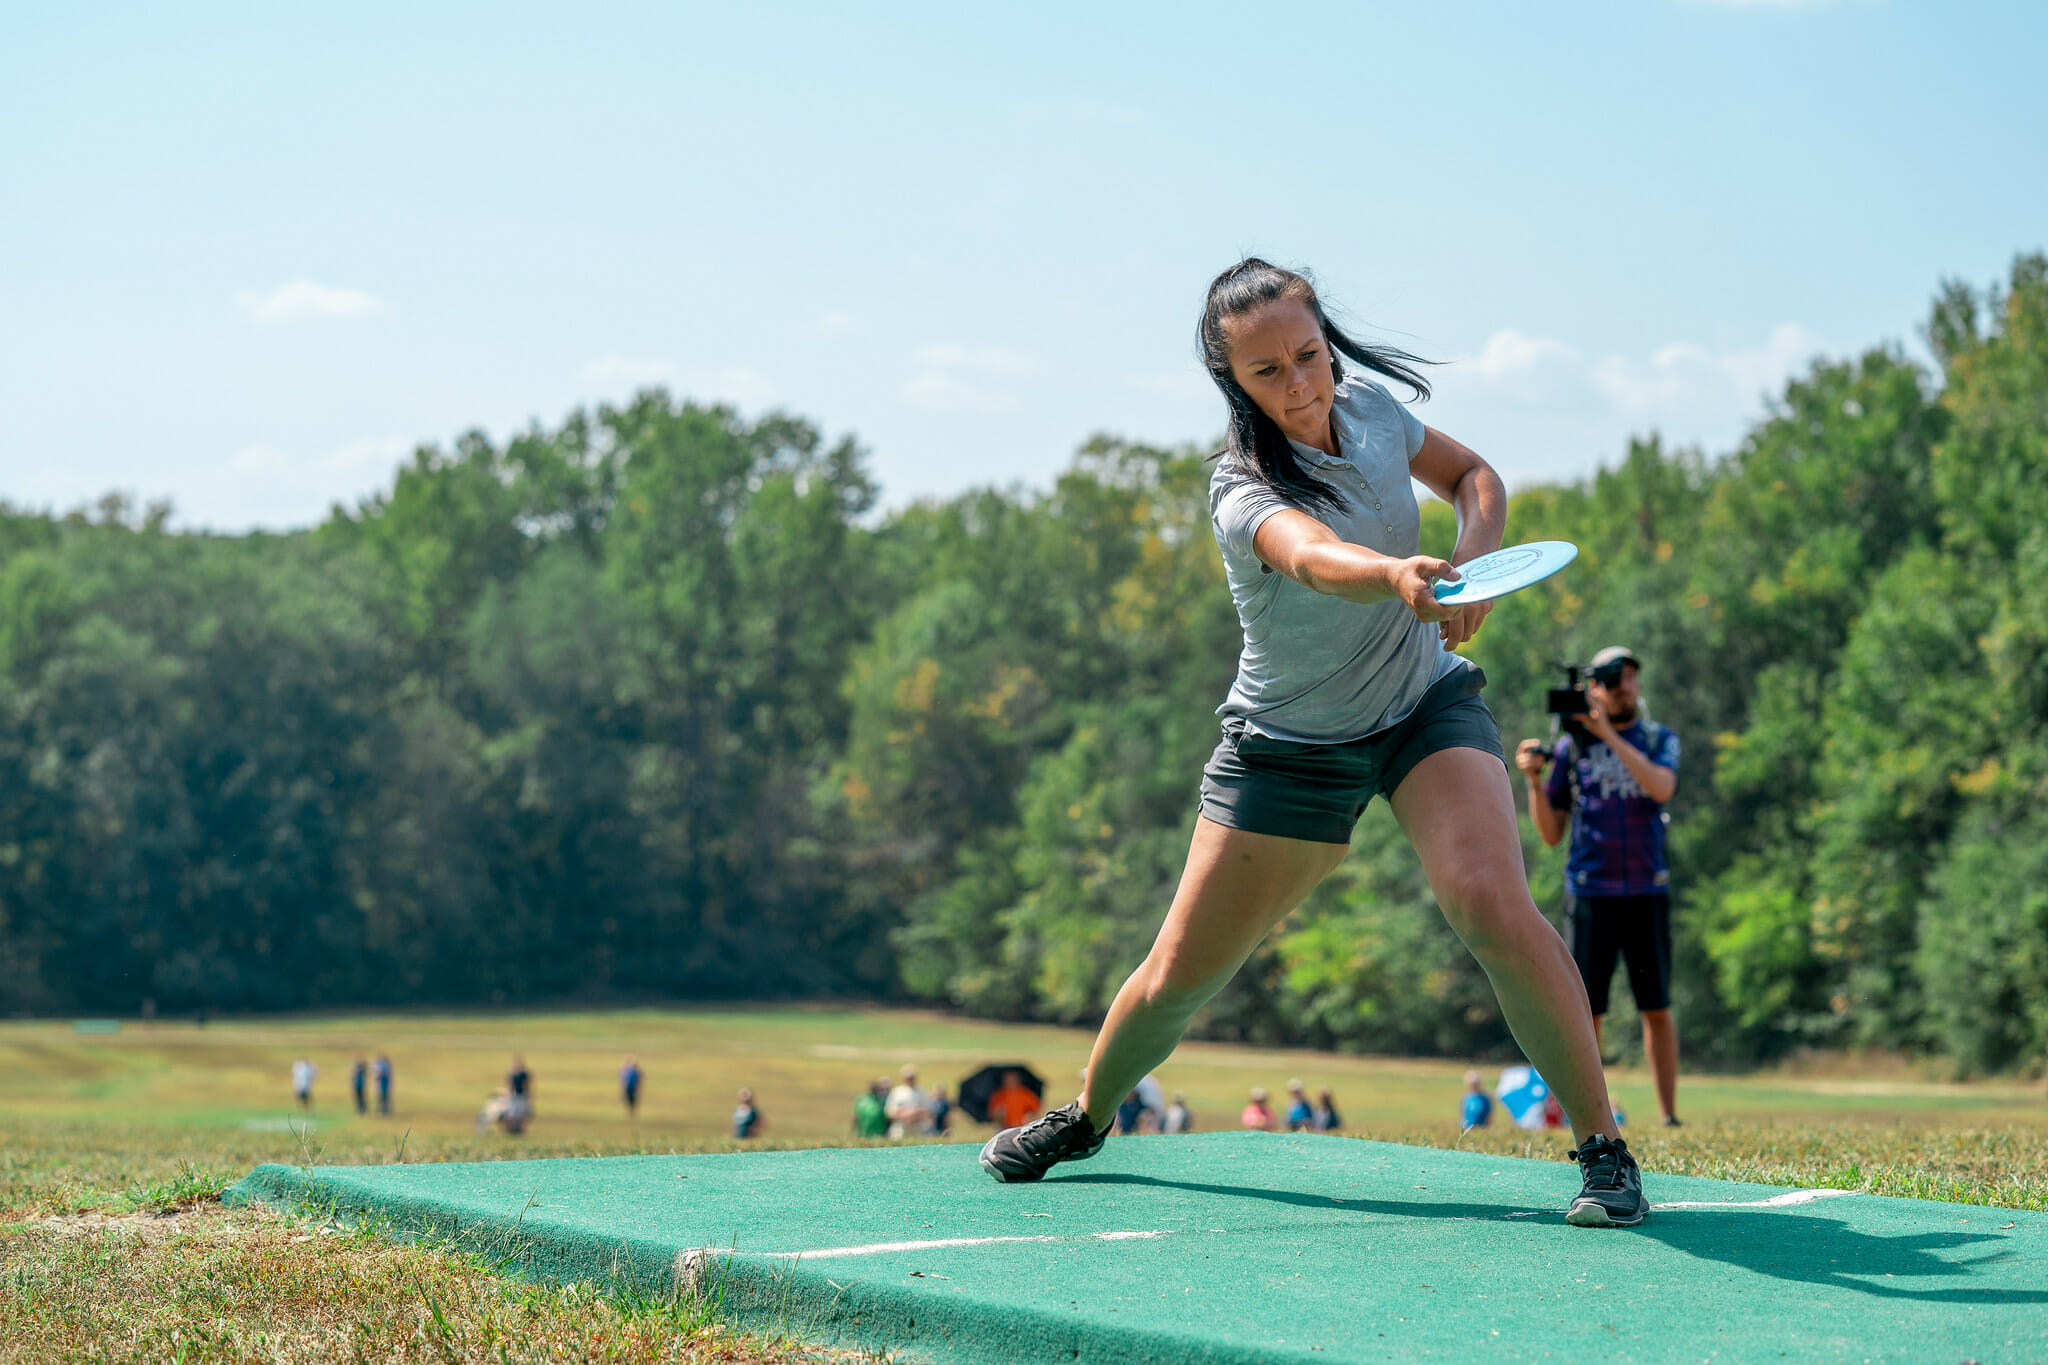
x=215, y=1284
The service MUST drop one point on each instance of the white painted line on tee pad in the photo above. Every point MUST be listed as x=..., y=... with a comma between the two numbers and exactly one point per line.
x=1776, y=1201
x=885, y=1248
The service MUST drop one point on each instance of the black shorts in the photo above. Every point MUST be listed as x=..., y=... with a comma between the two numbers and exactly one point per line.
x=1636, y=929
x=1317, y=792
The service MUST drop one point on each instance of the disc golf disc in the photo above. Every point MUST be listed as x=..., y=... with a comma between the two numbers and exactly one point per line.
x=1504, y=571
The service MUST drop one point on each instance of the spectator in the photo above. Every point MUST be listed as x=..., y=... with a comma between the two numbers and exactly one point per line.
x=909, y=1108
x=358, y=1078
x=518, y=1111
x=1013, y=1105
x=942, y=1110
x=1257, y=1115
x=1178, y=1118
x=629, y=1086
x=870, y=1116
x=303, y=1073
x=1153, y=1097
x=1301, y=1115
x=1326, y=1119
x=746, y=1120
x=1478, y=1105
x=383, y=1072
x=1130, y=1115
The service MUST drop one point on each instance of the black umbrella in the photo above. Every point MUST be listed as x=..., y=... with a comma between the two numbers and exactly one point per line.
x=974, y=1092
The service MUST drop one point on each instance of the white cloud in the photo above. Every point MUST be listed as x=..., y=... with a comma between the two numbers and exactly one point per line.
x=618, y=371
x=967, y=379
x=303, y=299
x=1510, y=351
x=835, y=323
x=260, y=460
x=734, y=384
x=1543, y=408
x=1680, y=378
x=378, y=453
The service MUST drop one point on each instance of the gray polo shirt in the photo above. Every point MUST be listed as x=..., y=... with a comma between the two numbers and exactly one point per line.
x=1318, y=669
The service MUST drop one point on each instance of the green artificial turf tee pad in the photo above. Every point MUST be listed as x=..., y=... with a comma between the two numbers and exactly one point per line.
x=1237, y=1247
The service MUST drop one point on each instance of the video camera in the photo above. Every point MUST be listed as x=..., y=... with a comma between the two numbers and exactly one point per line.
x=1568, y=704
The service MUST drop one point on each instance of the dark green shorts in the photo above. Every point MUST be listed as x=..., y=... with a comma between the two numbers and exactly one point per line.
x=1318, y=791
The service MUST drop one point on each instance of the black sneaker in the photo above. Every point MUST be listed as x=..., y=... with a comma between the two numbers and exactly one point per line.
x=1612, y=1196
x=1673, y=1121
x=1018, y=1155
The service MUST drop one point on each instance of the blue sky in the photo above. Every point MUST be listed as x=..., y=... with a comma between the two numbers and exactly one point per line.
x=251, y=254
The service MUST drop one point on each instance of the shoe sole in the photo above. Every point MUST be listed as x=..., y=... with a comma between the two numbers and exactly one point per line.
x=1001, y=1176
x=1588, y=1214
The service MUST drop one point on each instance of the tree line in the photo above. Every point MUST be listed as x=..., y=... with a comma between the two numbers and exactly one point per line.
x=654, y=705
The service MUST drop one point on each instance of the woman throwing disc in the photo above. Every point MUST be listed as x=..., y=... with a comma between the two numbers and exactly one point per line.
x=1346, y=688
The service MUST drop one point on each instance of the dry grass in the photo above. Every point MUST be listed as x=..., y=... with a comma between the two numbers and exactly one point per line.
x=215, y=1284
x=114, y=1247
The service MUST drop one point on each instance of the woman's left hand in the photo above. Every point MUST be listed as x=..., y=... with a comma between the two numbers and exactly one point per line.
x=1464, y=625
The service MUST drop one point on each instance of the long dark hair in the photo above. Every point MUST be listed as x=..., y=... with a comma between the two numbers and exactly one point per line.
x=1254, y=439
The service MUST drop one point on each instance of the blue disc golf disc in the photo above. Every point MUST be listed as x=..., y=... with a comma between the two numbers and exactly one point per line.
x=1505, y=571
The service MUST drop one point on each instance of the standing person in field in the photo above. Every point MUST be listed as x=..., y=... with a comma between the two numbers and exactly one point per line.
x=303, y=1073
x=1257, y=1115
x=1478, y=1108
x=629, y=1086
x=746, y=1117
x=358, y=1081
x=383, y=1070
x=1326, y=1119
x=1346, y=689
x=1617, y=882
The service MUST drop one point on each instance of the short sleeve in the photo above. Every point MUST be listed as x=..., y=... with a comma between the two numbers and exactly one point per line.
x=1241, y=507
x=1666, y=755
x=1412, y=429
x=1557, y=788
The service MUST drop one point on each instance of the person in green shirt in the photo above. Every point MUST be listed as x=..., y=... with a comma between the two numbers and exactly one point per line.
x=870, y=1119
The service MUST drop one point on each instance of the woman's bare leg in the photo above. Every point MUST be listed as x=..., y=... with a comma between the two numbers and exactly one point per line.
x=1237, y=886
x=1460, y=815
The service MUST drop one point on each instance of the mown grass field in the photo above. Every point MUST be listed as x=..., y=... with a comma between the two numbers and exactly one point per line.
x=113, y=1148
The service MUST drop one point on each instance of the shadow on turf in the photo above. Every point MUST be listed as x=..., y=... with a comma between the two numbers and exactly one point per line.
x=1822, y=1251
x=1803, y=1247
x=1395, y=1207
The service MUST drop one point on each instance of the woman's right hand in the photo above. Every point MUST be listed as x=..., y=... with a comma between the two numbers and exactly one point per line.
x=1414, y=582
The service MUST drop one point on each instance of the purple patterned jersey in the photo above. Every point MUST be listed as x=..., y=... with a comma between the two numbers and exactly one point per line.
x=1617, y=831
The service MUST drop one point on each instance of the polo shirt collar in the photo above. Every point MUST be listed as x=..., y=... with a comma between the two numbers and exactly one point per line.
x=1348, y=436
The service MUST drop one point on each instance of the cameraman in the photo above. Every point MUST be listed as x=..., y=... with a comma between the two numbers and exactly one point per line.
x=1615, y=779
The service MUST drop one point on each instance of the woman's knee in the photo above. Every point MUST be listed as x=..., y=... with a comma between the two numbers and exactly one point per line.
x=1492, y=919
x=1175, y=987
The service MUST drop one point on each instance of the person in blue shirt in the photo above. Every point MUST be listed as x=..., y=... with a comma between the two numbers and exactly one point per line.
x=1301, y=1115
x=629, y=1086
x=1617, y=881
x=1478, y=1104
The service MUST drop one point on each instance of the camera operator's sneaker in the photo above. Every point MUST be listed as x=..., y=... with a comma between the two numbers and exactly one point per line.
x=1018, y=1155
x=1612, y=1196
